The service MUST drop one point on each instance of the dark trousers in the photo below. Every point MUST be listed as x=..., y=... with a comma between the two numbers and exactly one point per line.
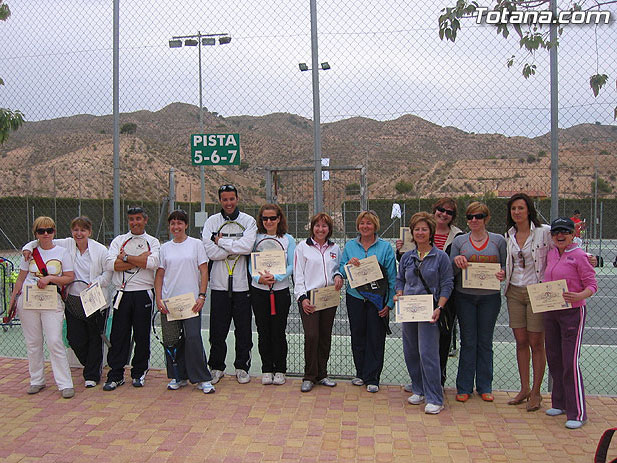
x=133, y=315
x=190, y=355
x=84, y=337
x=271, y=328
x=223, y=310
x=368, y=339
x=563, y=337
x=317, y=340
x=445, y=337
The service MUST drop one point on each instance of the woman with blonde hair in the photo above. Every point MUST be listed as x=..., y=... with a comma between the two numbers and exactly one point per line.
x=477, y=309
x=51, y=265
x=368, y=308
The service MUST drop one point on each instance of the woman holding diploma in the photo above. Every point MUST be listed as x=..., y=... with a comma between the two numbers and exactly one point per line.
x=183, y=269
x=528, y=242
x=316, y=265
x=51, y=265
x=564, y=328
x=422, y=268
x=271, y=315
x=84, y=334
x=368, y=317
x=477, y=309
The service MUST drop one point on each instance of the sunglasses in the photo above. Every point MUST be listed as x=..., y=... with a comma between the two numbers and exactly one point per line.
x=445, y=211
x=135, y=210
x=479, y=216
x=560, y=231
x=269, y=218
x=223, y=188
x=521, y=259
x=42, y=231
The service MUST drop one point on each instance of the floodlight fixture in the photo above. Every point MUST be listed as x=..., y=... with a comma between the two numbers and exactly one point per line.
x=303, y=66
x=209, y=41
x=175, y=43
x=224, y=40
x=191, y=43
x=325, y=66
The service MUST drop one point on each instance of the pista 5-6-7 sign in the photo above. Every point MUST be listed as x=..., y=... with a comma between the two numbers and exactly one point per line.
x=215, y=149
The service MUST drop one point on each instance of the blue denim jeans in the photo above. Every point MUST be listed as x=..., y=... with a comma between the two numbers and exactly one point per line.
x=477, y=315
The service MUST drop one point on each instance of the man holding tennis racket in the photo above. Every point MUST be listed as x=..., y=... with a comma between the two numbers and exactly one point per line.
x=134, y=258
x=229, y=237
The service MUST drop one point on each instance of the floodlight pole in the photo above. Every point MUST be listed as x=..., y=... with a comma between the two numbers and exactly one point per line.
x=317, y=181
x=199, y=36
x=116, y=114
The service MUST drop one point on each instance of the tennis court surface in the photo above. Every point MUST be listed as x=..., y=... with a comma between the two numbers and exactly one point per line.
x=254, y=423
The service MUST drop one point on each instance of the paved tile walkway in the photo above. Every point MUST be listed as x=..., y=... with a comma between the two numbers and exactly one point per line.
x=254, y=423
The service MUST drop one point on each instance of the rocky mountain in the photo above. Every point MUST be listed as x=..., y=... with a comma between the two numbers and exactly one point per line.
x=72, y=156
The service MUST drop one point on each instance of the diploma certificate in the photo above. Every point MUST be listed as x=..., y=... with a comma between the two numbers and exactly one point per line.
x=479, y=275
x=268, y=261
x=324, y=298
x=418, y=308
x=406, y=237
x=92, y=299
x=366, y=272
x=548, y=296
x=179, y=307
x=36, y=298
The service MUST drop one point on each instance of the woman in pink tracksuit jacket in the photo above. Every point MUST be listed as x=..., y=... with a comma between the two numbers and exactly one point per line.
x=564, y=328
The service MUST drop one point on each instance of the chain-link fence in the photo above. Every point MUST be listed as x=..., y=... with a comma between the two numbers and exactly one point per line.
x=426, y=118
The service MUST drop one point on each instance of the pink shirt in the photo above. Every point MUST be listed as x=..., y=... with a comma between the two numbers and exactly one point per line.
x=572, y=266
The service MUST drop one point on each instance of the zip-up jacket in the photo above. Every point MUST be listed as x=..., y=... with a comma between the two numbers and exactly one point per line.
x=385, y=256
x=314, y=267
x=574, y=267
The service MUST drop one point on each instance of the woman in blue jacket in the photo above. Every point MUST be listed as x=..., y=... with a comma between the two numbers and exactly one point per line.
x=368, y=308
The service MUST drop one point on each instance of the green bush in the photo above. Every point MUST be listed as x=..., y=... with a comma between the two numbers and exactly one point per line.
x=403, y=187
x=128, y=128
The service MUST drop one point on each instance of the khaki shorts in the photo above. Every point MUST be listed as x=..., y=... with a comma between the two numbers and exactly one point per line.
x=519, y=310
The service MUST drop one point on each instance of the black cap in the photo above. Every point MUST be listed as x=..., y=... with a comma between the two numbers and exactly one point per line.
x=562, y=223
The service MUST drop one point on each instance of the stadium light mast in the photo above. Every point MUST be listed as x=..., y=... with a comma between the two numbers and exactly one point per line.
x=198, y=40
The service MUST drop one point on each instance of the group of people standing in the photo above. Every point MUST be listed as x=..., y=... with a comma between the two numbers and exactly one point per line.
x=528, y=253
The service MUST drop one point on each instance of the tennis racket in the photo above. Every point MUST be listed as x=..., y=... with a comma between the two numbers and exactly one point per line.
x=231, y=230
x=270, y=244
x=134, y=246
x=73, y=304
x=170, y=338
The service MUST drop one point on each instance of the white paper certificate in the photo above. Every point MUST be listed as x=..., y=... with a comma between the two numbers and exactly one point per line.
x=367, y=271
x=406, y=237
x=179, y=307
x=268, y=261
x=548, y=296
x=479, y=275
x=324, y=298
x=418, y=308
x=92, y=299
x=36, y=298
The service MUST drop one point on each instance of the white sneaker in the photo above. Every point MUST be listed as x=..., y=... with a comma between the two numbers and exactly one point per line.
x=279, y=378
x=174, y=385
x=570, y=424
x=89, y=383
x=206, y=387
x=357, y=382
x=415, y=399
x=266, y=378
x=372, y=388
x=408, y=388
x=555, y=411
x=327, y=382
x=242, y=376
x=216, y=375
x=433, y=409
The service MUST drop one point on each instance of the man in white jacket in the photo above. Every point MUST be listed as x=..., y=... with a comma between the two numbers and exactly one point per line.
x=133, y=278
x=236, y=305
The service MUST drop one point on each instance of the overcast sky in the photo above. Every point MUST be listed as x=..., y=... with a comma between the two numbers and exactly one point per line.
x=386, y=57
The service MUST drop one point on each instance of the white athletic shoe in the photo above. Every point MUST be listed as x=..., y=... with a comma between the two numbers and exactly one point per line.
x=279, y=378
x=242, y=376
x=174, y=385
x=266, y=378
x=433, y=409
x=206, y=387
x=357, y=382
x=415, y=399
x=216, y=376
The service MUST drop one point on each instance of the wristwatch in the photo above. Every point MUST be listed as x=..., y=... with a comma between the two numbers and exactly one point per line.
x=125, y=258
x=202, y=295
x=439, y=307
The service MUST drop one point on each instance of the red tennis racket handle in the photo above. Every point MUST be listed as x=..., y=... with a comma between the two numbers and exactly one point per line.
x=272, y=304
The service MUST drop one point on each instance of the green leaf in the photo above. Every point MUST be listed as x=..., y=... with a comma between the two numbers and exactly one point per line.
x=596, y=82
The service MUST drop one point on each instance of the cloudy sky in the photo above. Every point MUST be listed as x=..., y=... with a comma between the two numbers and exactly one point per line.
x=386, y=57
